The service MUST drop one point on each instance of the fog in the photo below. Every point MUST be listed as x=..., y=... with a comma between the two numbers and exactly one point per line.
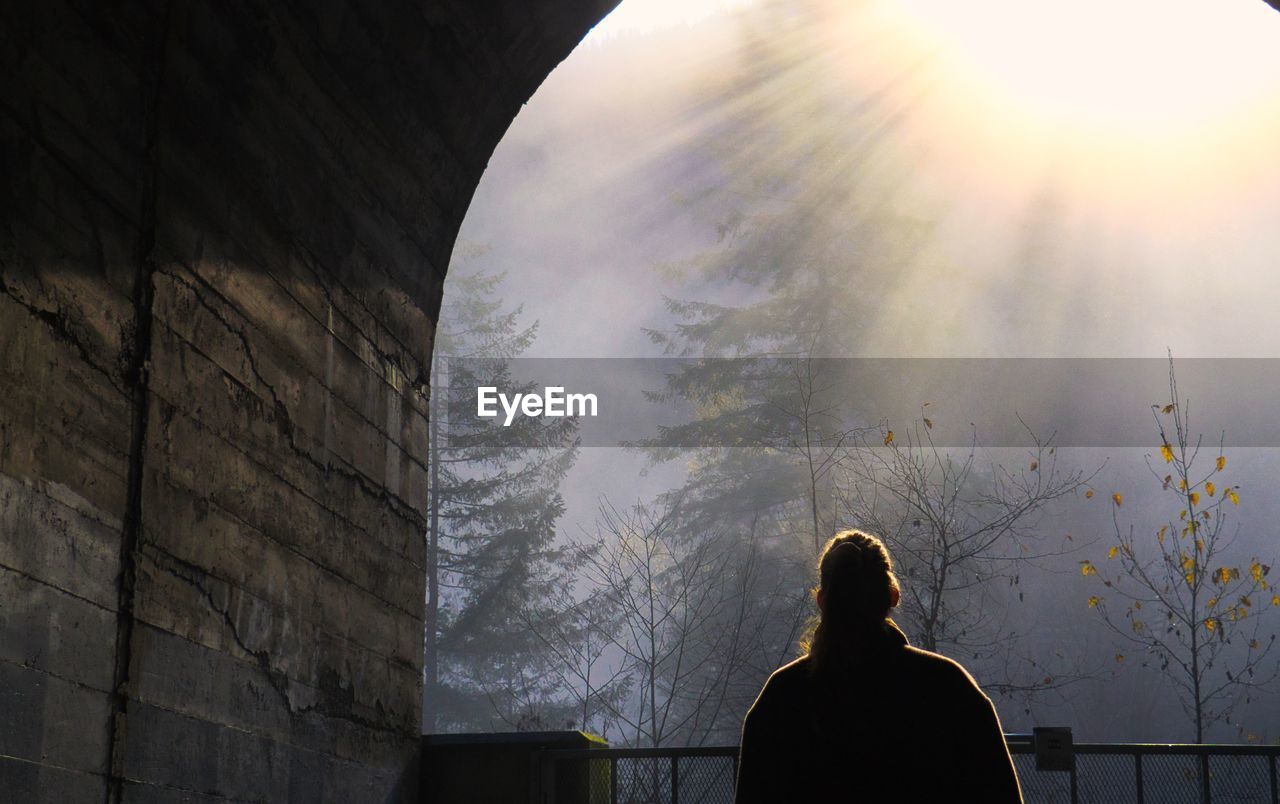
x=992, y=202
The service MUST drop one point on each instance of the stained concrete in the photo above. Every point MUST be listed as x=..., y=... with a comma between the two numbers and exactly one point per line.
x=224, y=239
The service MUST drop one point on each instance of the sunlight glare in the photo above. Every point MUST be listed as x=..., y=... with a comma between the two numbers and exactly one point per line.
x=646, y=16
x=1126, y=66
x=1134, y=104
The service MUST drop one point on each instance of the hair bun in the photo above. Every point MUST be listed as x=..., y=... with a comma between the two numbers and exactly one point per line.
x=848, y=555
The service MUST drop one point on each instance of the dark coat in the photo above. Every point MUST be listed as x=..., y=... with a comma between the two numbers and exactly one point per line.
x=902, y=725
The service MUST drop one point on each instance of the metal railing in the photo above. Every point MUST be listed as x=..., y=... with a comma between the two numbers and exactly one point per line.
x=694, y=775
x=1106, y=773
x=1154, y=774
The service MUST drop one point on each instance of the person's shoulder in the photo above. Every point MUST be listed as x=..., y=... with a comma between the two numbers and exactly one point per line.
x=792, y=673
x=938, y=668
x=785, y=687
x=789, y=678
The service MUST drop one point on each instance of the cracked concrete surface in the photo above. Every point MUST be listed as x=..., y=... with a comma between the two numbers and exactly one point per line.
x=222, y=247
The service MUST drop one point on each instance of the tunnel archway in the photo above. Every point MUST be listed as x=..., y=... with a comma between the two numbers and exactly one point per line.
x=225, y=237
x=224, y=241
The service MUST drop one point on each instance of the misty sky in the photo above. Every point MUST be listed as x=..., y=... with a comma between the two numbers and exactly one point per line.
x=1102, y=179
x=1048, y=241
x=1144, y=224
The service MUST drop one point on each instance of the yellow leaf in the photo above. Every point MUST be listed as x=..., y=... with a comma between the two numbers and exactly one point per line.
x=1035, y=465
x=1245, y=601
x=1160, y=535
x=1275, y=600
x=1087, y=569
x=1213, y=601
x=1190, y=579
x=1210, y=624
x=1182, y=485
x=1166, y=452
x=1222, y=576
x=1088, y=495
x=888, y=438
x=1112, y=553
x=1137, y=604
x=1222, y=462
x=1094, y=600
x=1255, y=572
x=1188, y=562
x=1118, y=499
x=1209, y=488
x=1199, y=545
x=1235, y=498
x=1119, y=658
x=1168, y=408
x=1195, y=497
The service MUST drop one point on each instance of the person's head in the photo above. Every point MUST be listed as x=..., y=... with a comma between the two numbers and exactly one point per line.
x=856, y=584
x=856, y=590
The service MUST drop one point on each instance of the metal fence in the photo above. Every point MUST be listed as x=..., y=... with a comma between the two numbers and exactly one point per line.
x=1154, y=774
x=640, y=775
x=1104, y=773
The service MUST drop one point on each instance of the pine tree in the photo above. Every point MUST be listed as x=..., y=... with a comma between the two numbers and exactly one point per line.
x=492, y=560
x=800, y=260
x=811, y=244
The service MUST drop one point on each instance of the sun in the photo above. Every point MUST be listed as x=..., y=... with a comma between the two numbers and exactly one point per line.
x=1134, y=105
x=1145, y=69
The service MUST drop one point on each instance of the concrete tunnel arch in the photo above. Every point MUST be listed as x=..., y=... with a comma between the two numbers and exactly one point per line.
x=225, y=237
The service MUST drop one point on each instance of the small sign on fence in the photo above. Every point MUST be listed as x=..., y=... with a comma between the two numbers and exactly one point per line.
x=1053, y=747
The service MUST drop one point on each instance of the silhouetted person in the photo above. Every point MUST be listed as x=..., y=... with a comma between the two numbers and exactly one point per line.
x=864, y=717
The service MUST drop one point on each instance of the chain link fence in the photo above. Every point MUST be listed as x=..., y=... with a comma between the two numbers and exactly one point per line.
x=1105, y=773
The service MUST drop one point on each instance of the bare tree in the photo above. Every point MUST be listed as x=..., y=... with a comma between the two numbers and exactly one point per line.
x=816, y=435
x=578, y=634
x=961, y=535
x=1178, y=596
x=686, y=618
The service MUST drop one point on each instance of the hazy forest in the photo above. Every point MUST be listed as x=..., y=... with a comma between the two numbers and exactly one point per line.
x=783, y=183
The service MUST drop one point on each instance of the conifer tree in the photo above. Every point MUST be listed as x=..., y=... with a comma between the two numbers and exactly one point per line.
x=492, y=560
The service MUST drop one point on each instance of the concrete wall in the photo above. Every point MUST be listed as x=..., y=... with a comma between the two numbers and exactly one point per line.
x=223, y=240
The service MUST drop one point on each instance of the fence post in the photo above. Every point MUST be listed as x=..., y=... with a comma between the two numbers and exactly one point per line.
x=1137, y=767
x=613, y=780
x=675, y=779
x=1205, y=791
x=1275, y=785
x=545, y=776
